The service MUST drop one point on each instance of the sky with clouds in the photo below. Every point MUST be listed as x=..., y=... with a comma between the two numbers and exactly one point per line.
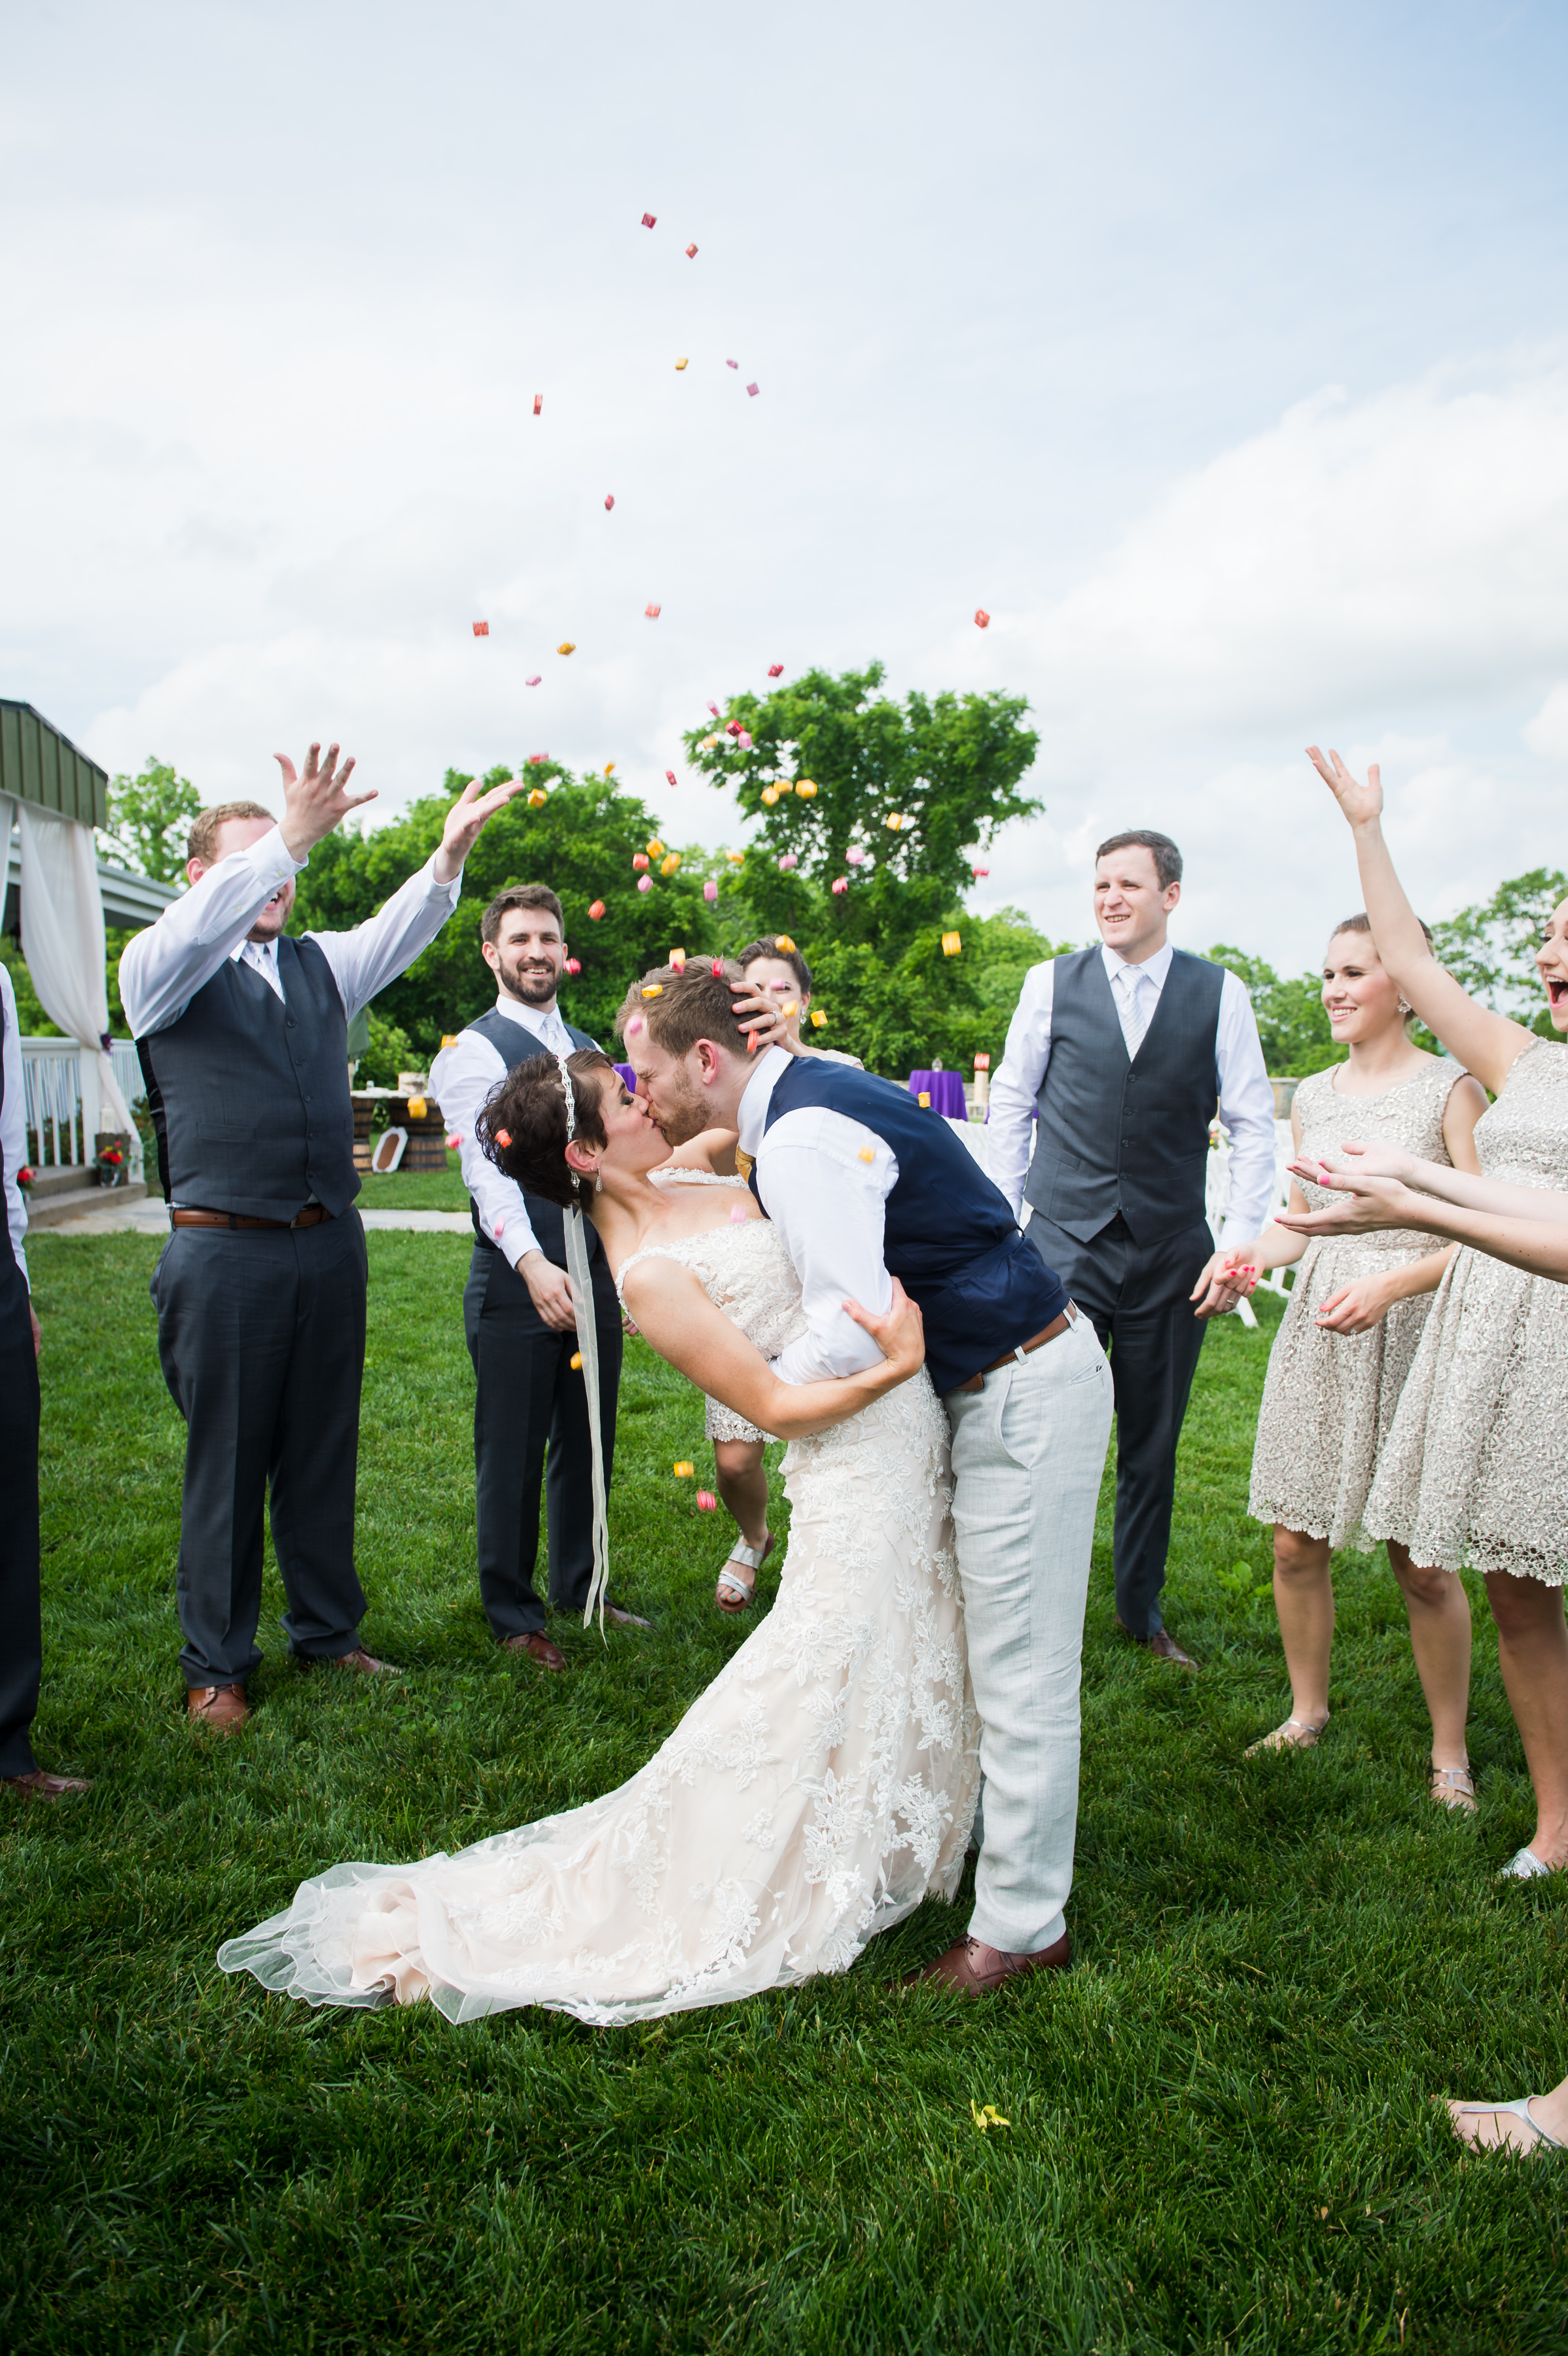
x=1219, y=351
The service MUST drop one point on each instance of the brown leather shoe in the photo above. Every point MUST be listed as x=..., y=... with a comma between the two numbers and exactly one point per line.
x=971, y=1968
x=537, y=1647
x=38, y=1783
x=1162, y=1643
x=223, y=1709
x=622, y=1618
x=364, y=1663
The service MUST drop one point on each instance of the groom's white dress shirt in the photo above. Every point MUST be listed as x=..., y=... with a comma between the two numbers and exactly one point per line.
x=823, y=1181
x=1246, y=1100
x=12, y=1123
x=461, y=1077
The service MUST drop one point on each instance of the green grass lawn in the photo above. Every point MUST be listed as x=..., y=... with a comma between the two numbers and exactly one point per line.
x=1219, y=2137
x=415, y=1190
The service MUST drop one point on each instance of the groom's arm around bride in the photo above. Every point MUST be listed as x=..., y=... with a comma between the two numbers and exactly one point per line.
x=862, y=1183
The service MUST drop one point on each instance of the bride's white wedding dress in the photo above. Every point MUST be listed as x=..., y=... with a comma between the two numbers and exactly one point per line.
x=821, y=1786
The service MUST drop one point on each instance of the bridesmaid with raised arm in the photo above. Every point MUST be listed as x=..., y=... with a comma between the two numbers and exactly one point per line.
x=1343, y=1350
x=1475, y=1471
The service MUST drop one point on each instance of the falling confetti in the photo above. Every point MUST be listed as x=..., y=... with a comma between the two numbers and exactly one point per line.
x=567, y=646
x=953, y=945
x=867, y=1153
x=574, y=965
x=680, y=364
x=576, y=1361
x=770, y=795
x=648, y=221
x=715, y=710
x=609, y=502
x=597, y=910
x=734, y=364
x=653, y=990
x=979, y=871
x=983, y=1063
x=652, y=612
x=534, y=681
x=787, y=859
x=753, y=390
x=645, y=882
x=684, y=1469
x=538, y=403
x=417, y=1107
x=775, y=670
x=691, y=253
x=807, y=789
x=670, y=774
x=857, y=857
x=733, y=728
x=677, y=960
x=894, y=820
x=710, y=890
x=735, y=858
x=654, y=848
x=639, y=861
x=982, y=618
x=706, y=1501
x=538, y=798
x=481, y=629
x=819, y=1019
x=840, y=885
x=535, y=758
x=925, y=1098
x=783, y=944
x=454, y=1143
x=742, y=742
x=669, y=863
x=503, y=1138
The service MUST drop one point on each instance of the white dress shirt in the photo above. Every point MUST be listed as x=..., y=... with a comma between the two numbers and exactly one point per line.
x=461, y=1078
x=12, y=1122
x=1246, y=1100
x=823, y=1181
x=163, y=968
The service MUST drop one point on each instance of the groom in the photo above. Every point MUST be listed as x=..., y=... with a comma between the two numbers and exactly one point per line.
x=861, y=1183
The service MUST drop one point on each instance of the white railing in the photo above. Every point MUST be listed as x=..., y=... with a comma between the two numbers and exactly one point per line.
x=52, y=1091
x=1217, y=1193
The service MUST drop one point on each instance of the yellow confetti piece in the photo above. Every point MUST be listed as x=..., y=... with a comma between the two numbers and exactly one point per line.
x=925, y=1098
x=678, y=959
x=786, y=785
x=417, y=1107
x=987, y=2118
x=609, y=768
x=567, y=646
x=653, y=990
x=818, y=1018
x=576, y=1361
x=735, y=858
x=783, y=944
x=669, y=863
x=868, y=1153
x=770, y=795
x=538, y=798
x=805, y=788
x=685, y=1470
x=680, y=364
x=448, y=1038
x=655, y=848
x=953, y=945
x=791, y=1006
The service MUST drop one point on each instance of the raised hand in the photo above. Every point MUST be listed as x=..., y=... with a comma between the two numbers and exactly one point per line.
x=315, y=801
x=464, y=820
x=1362, y=805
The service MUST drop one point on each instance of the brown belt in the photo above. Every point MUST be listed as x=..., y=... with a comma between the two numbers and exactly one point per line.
x=1069, y=1316
x=311, y=1216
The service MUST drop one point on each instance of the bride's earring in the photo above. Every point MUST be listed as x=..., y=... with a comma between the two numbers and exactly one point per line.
x=599, y=1184
x=1405, y=1007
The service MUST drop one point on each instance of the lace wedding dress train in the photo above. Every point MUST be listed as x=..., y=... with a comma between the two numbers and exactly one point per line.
x=821, y=1786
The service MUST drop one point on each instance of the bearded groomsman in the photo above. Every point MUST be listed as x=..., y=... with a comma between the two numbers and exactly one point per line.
x=243, y=1035
x=1124, y=1051
x=530, y=1410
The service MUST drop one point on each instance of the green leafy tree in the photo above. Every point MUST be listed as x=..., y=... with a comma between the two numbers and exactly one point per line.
x=581, y=841
x=1490, y=948
x=1292, y=1026
x=149, y=819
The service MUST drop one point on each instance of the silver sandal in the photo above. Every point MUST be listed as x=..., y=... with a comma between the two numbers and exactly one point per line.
x=1452, y=1788
x=753, y=1558
x=1281, y=1739
x=1519, y=2110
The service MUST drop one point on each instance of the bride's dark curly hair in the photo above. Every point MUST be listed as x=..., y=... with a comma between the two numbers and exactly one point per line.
x=522, y=1127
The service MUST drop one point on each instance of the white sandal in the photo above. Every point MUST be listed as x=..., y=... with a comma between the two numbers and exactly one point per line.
x=752, y=1558
x=1452, y=1788
x=1519, y=2110
x=1283, y=1740
x=1524, y=1866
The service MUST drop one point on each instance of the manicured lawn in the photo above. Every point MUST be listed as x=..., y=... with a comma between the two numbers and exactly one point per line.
x=1219, y=2135
x=415, y=1190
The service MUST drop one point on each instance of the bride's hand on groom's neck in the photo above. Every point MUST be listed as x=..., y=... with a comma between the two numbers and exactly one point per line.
x=899, y=1332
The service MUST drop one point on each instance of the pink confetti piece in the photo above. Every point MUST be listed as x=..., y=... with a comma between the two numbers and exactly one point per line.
x=738, y=1215
x=744, y=741
x=538, y=402
x=855, y=856
x=715, y=710
x=706, y=1502
x=979, y=871
x=734, y=364
x=609, y=502
x=775, y=670
x=481, y=629
x=840, y=885
x=648, y=219
x=674, y=780
x=574, y=965
x=786, y=861
x=645, y=882
x=651, y=611
x=710, y=890
x=753, y=390
x=634, y=1026
x=532, y=683
x=454, y=1143
x=498, y=1226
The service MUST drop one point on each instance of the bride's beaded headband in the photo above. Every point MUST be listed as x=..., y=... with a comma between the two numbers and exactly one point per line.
x=571, y=1113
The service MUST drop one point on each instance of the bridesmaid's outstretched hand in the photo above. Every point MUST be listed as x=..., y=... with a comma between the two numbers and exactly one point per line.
x=1362, y=805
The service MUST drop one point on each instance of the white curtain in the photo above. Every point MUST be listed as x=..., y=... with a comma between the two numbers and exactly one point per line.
x=62, y=941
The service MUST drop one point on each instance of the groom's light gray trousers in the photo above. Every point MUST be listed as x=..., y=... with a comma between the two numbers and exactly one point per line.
x=1028, y=1450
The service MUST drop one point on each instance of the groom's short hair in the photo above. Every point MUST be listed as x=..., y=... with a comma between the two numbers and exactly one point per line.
x=1160, y=848
x=677, y=1008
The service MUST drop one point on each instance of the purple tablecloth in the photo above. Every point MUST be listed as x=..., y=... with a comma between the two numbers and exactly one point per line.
x=628, y=1076
x=946, y=1089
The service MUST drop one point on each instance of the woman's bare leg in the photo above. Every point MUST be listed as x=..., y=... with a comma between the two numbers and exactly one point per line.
x=1533, y=1653
x=1440, y=1638
x=741, y=1477
x=1490, y=2130
x=1304, y=1598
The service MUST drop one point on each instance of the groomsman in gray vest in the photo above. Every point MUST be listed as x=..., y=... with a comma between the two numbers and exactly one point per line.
x=243, y=1035
x=530, y=1410
x=1123, y=1052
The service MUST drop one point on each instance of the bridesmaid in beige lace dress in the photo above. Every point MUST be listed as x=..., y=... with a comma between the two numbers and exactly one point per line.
x=1344, y=1349
x=1475, y=1471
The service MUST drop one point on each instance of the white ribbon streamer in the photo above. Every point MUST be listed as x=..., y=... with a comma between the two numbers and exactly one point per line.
x=588, y=1349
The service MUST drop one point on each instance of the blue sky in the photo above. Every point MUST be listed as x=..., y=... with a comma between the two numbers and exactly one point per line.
x=1221, y=352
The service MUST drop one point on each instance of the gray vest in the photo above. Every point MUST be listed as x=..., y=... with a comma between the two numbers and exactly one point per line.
x=250, y=1096
x=1120, y=1135
x=515, y=1043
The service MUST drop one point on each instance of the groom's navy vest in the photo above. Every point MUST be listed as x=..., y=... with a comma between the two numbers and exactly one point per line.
x=949, y=1237
x=1121, y=1134
x=548, y=1220
x=249, y=1092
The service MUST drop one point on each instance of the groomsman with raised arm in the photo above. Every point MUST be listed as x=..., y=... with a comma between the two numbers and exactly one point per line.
x=1124, y=1052
x=530, y=1410
x=243, y=1035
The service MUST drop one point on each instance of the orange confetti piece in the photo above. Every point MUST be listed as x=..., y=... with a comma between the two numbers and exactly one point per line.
x=653, y=990
x=538, y=402
x=538, y=798
x=597, y=910
x=684, y=1469
x=576, y=1361
x=417, y=1107
x=819, y=1019
x=782, y=942
x=867, y=1153
x=481, y=629
x=669, y=863
x=680, y=364
x=925, y=1098
x=503, y=1138
x=652, y=612
x=655, y=848
x=805, y=787
x=609, y=768
x=791, y=1006
x=770, y=795
x=982, y=618
x=567, y=646
x=691, y=253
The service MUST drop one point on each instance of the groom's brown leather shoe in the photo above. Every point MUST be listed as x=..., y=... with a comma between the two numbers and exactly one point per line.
x=971, y=1968
x=364, y=1663
x=537, y=1647
x=1162, y=1643
x=223, y=1709
x=38, y=1783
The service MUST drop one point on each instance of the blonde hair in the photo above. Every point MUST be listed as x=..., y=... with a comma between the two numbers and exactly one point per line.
x=202, y=842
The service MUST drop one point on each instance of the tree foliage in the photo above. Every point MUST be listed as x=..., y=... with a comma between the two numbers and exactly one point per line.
x=1293, y=1024
x=1490, y=948
x=149, y=819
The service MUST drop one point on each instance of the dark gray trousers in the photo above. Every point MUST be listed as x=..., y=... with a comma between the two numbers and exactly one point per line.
x=261, y=1336
x=1136, y=1297
x=21, y=1636
x=528, y=1398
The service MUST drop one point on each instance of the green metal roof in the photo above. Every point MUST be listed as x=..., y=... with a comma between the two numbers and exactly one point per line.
x=38, y=765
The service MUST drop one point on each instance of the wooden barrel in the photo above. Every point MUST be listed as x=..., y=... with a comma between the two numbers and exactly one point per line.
x=427, y=1147
x=365, y=1113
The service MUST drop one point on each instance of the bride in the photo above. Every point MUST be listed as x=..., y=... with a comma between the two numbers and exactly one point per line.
x=825, y=1782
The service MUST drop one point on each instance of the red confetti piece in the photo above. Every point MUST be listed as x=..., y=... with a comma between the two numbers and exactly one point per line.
x=652, y=612
x=597, y=910
x=503, y=1138
x=840, y=885
x=715, y=710
x=609, y=502
x=775, y=670
x=648, y=221
x=735, y=729
x=691, y=253
x=671, y=775
x=718, y=968
x=982, y=618
x=706, y=1502
x=753, y=390
x=751, y=1042
x=574, y=965
x=979, y=871
x=538, y=402
x=639, y=861
x=481, y=629
x=534, y=759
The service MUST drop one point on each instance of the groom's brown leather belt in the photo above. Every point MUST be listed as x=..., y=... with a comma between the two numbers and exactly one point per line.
x=311, y=1216
x=1069, y=1316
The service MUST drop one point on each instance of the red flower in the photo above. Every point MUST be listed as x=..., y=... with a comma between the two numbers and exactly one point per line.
x=24, y=1175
